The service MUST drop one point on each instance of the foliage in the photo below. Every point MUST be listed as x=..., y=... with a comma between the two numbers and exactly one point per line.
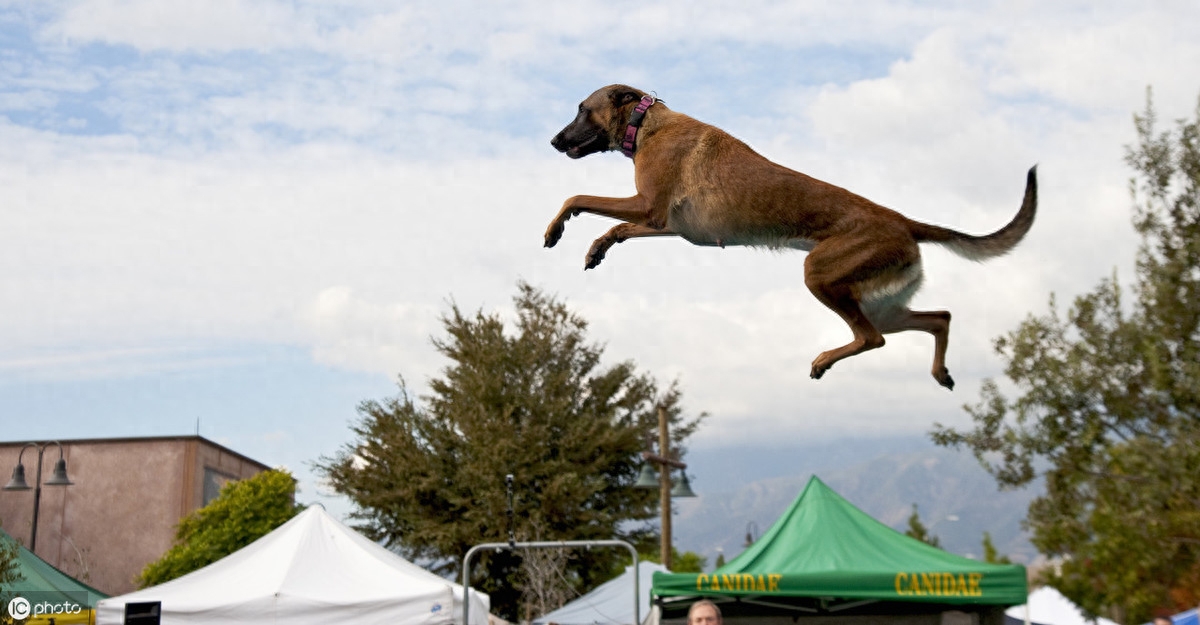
x=989, y=551
x=428, y=478
x=917, y=530
x=686, y=562
x=1108, y=406
x=720, y=560
x=245, y=511
x=10, y=572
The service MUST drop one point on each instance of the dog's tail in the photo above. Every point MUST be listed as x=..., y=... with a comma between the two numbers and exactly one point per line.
x=991, y=245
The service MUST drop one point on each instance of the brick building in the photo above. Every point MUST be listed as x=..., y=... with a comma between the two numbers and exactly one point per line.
x=127, y=496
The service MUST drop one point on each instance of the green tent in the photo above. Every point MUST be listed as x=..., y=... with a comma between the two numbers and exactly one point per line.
x=42, y=583
x=826, y=557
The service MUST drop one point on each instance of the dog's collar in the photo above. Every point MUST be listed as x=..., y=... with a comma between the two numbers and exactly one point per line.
x=635, y=122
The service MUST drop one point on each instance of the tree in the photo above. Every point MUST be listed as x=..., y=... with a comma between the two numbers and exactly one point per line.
x=1108, y=406
x=989, y=551
x=686, y=562
x=10, y=571
x=428, y=477
x=917, y=530
x=245, y=511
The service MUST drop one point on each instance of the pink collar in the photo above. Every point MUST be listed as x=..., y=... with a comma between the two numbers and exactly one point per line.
x=635, y=122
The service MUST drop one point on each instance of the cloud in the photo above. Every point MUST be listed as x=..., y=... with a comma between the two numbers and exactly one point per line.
x=331, y=176
x=214, y=25
x=350, y=332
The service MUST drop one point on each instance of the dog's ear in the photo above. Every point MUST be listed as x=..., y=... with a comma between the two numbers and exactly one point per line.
x=621, y=98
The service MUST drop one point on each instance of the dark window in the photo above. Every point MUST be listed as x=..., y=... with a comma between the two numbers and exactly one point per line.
x=214, y=481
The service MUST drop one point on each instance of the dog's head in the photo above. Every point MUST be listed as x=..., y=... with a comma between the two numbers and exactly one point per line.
x=600, y=122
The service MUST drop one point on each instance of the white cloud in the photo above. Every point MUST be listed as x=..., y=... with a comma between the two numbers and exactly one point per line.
x=329, y=176
x=352, y=333
x=213, y=25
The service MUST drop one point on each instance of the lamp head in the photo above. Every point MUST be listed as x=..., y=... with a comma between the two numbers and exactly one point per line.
x=59, y=478
x=18, y=479
x=682, y=488
x=648, y=478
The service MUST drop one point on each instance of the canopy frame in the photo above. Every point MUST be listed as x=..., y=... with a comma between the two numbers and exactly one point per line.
x=559, y=544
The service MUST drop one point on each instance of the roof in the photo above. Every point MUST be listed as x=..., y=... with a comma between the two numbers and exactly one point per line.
x=143, y=439
x=825, y=548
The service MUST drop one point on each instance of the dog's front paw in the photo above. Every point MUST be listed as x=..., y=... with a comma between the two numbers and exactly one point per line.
x=553, y=233
x=595, y=255
x=818, y=371
x=943, y=378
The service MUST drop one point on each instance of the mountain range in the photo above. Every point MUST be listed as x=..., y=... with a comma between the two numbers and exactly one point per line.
x=742, y=491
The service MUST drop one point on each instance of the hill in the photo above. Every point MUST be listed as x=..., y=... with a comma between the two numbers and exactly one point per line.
x=743, y=491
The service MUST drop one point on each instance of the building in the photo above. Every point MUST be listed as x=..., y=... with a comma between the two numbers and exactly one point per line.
x=126, y=498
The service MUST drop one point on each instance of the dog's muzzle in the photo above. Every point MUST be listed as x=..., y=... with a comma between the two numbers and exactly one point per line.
x=579, y=146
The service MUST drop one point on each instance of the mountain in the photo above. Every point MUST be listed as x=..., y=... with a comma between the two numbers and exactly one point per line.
x=743, y=491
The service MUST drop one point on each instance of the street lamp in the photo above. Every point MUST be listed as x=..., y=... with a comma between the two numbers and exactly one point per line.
x=59, y=478
x=647, y=479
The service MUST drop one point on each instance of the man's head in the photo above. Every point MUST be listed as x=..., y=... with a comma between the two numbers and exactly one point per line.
x=704, y=612
x=1162, y=620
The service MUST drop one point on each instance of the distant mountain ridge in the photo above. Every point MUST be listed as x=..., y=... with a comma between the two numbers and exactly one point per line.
x=957, y=500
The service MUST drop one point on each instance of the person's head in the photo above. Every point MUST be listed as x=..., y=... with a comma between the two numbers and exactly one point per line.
x=1162, y=620
x=705, y=612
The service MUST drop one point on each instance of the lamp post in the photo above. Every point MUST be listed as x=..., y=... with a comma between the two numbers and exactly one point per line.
x=59, y=478
x=647, y=480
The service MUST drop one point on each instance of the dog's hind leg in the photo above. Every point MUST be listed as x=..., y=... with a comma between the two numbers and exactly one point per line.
x=841, y=300
x=935, y=322
x=857, y=276
x=619, y=234
x=866, y=336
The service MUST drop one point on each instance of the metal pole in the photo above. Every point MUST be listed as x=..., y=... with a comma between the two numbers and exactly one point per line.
x=664, y=487
x=561, y=544
x=37, y=501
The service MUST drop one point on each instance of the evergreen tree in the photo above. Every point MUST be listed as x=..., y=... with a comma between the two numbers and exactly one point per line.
x=989, y=551
x=917, y=530
x=428, y=477
x=1109, y=406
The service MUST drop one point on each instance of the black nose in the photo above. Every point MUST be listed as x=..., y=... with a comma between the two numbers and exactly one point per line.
x=557, y=142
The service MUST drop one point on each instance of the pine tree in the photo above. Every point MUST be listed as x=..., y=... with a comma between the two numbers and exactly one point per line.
x=916, y=529
x=428, y=477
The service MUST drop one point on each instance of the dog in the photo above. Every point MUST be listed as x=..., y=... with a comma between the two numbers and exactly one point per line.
x=697, y=182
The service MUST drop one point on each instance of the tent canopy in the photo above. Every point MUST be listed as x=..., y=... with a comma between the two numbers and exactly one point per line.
x=827, y=551
x=610, y=603
x=1048, y=606
x=312, y=569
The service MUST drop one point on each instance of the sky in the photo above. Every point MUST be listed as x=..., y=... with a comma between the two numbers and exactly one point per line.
x=242, y=218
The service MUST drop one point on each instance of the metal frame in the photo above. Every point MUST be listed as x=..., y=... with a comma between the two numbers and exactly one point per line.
x=562, y=544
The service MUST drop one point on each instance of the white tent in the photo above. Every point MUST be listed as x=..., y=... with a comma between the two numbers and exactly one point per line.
x=610, y=603
x=1047, y=606
x=312, y=569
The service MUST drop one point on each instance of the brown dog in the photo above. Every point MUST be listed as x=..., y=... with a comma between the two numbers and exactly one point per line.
x=697, y=182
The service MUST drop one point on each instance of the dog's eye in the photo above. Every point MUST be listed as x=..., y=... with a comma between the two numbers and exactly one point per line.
x=581, y=109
